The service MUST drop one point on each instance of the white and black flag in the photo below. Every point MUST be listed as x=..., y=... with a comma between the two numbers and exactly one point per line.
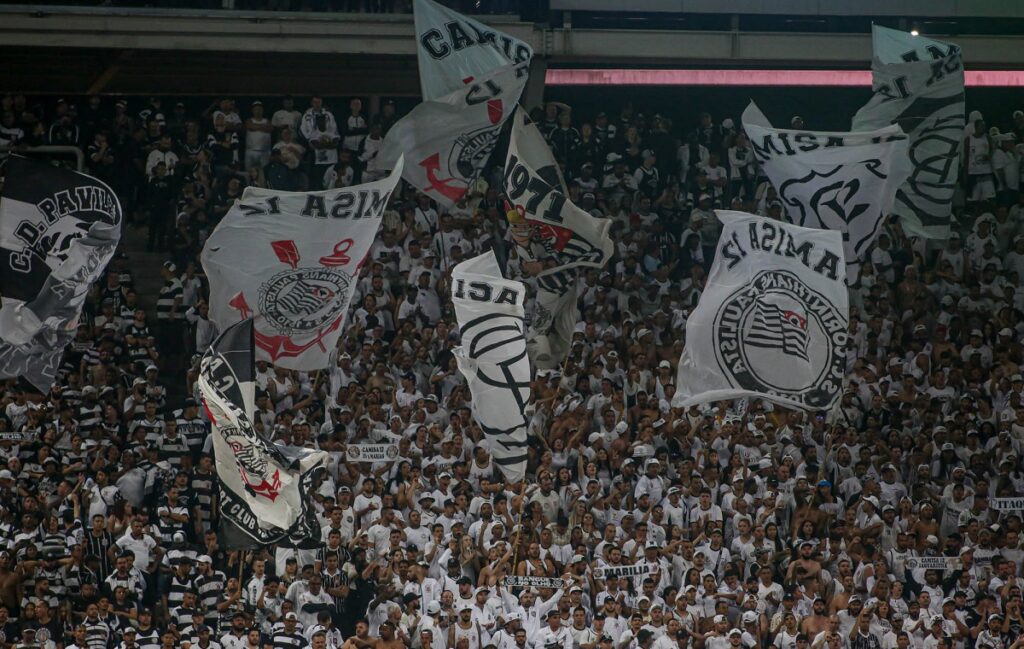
x=291, y=260
x=455, y=50
x=265, y=489
x=58, y=231
x=553, y=239
x=449, y=140
x=918, y=84
x=492, y=357
x=834, y=181
x=772, y=320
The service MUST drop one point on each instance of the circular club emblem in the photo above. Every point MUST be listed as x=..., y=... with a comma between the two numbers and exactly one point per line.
x=768, y=337
x=471, y=150
x=353, y=452
x=392, y=452
x=301, y=300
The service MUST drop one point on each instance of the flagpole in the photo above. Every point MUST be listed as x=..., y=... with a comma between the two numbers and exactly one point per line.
x=519, y=525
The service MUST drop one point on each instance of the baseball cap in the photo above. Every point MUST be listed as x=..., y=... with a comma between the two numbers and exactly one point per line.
x=291, y=616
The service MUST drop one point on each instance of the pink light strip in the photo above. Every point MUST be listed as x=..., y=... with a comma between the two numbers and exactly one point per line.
x=626, y=77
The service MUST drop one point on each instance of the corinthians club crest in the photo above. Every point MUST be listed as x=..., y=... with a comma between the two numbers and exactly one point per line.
x=778, y=336
x=300, y=302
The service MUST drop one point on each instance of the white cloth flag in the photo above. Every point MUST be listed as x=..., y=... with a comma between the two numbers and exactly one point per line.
x=264, y=489
x=447, y=142
x=834, y=181
x=290, y=260
x=552, y=239
x=453, y=50
x=918, y=84
x=772, y=320
x=492, y=357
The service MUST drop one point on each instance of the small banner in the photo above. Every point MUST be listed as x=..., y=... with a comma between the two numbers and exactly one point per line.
x=371, y=452
x=1007, y=504
x=932, y=563
x=616, y=572
x=513, y=581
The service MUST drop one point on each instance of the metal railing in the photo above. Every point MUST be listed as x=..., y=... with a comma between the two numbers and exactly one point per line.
x=47, y=149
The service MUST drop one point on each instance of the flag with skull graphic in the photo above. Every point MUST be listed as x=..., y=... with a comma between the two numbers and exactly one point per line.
x=772, y=319
x=833, y=181
x=290, y=261
x=58, y=231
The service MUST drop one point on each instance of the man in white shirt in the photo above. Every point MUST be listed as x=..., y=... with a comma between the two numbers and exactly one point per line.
x=257, y=138
x=286, y=116
x=312, y=601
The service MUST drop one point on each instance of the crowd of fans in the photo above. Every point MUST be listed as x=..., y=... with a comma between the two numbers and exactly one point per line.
x=762, y=527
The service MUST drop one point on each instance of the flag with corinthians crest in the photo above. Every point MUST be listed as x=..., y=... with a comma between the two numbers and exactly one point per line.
x=290, y=261
x=264, y=489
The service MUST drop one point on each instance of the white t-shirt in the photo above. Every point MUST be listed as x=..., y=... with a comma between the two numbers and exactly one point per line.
x=257, y=140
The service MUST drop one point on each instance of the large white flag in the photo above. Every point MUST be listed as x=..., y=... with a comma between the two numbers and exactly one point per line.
x=918, y=83
x=264, y=489
x=453, y=50
x=772, y=320
x=553, y=238
x=447, y=142
x=490, y=312
x=835, y=181
x=290, y=260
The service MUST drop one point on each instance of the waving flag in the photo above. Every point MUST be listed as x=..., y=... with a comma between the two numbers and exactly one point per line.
x=290, y=260
x=772, y=320
x=264, y=488
x=489, y=310
x=834, y=181
x=553, y=238
x=918, y=84
x=448, y=141
x=58, y=231
x=454, y=50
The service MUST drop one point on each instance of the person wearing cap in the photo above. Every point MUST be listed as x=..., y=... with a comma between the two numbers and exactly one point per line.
x=258, y=130
x=465, y=628
x=288, y=634
x=651, y=483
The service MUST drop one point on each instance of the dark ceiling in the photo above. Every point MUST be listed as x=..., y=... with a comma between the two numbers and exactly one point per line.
x=46, y=70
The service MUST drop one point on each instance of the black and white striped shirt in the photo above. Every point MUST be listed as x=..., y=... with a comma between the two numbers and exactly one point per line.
x=202, y=486
x=193, y=430
x=97, y=633
x=176, y=591
x=284, y=640
x=97, y=546
x=172, y=450
x=171, y=290
x=89, y=417
x=211, y=588
x=148, y=639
